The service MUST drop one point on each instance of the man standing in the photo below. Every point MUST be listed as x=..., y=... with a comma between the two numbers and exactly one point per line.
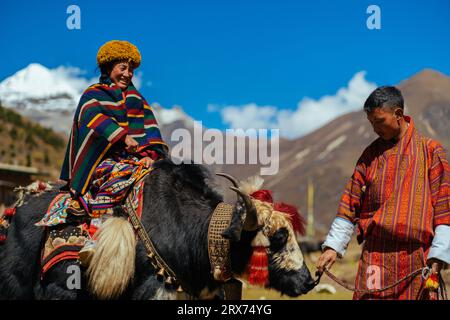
x=398, y=200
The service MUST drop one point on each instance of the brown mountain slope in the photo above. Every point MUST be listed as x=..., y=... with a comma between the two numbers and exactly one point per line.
x=327, y=156
x=23, y=142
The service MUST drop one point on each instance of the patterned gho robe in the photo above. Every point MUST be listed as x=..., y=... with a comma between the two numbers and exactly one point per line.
x=96, y=162
x=398, y=200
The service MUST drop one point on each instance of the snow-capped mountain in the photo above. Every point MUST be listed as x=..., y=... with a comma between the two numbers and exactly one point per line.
x=44, y=89
x=36, y=90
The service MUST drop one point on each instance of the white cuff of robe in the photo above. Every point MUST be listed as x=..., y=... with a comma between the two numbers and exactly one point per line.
x=440, y=247
x=339, y=236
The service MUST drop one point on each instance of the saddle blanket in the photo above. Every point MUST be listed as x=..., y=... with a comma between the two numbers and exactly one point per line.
x=64, y=241
x=56, y=213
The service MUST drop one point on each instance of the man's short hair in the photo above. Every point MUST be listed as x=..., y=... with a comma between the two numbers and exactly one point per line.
x=384, y=97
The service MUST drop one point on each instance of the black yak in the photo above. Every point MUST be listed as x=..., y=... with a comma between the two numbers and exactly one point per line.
x=177, y=207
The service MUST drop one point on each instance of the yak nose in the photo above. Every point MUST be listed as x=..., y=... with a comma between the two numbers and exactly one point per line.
x=308, y=282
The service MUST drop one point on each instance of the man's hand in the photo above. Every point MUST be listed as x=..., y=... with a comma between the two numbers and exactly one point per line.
x=131, y=144
x=147, y=161
x=326, y=260
x=435, y=264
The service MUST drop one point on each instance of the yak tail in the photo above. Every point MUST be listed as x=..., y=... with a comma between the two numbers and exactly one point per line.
x=112, y=264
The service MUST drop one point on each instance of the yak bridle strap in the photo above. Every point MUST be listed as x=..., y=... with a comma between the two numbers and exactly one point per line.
x=218, y=246
x=158, y=263
x=162, y=268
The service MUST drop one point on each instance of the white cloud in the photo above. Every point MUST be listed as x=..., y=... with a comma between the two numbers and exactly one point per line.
x=72, y=76
x=167, y=116
x=309, y=115
x=137, y=80
x=248, y=116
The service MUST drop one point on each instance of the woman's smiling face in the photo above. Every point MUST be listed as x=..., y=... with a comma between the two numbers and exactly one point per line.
x=121, y=74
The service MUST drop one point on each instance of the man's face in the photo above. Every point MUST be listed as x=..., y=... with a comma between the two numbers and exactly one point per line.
x=385, y=122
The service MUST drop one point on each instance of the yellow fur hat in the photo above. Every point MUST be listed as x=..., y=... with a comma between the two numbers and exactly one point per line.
x=118, y=50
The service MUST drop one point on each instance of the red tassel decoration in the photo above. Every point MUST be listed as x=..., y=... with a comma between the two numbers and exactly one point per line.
x=432, y=283
x=41, y=186
x=298, y=222
x=258, y=267
x=9, y=212
x=91, y=229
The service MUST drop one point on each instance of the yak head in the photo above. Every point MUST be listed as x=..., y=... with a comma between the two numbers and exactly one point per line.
x=274, y=256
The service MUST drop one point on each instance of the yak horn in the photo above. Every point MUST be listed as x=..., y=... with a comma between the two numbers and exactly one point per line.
x=231, y=178
x=251, y=218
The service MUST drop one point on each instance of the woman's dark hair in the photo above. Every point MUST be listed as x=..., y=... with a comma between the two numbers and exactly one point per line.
x=384, y=97
x=105, y=70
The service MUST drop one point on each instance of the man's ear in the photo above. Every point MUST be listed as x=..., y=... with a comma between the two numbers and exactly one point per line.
x=398, y=113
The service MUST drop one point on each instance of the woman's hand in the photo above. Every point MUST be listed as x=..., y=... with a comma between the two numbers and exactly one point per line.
x=326, y=260
x=131, y=144
x=147, y=161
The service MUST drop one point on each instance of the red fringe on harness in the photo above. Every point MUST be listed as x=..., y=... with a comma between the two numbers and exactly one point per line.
x=298, y=222
x=42, y=186
x=263, y=195
x=9, y=212
x=258, y=267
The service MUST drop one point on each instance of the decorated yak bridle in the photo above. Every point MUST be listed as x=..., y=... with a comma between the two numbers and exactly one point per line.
x=258, y=267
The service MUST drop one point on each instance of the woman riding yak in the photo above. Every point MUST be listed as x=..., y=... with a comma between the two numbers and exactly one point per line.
x=114, y=135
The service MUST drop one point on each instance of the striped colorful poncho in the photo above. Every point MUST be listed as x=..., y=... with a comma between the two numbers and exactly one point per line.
x=398, y=195
x=105, y=115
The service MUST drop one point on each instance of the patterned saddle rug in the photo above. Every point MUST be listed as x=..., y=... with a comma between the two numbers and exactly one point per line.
x=111, y=184
x=63, y=240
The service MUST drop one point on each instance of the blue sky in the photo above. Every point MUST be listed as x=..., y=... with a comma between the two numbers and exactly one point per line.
x=235, y=53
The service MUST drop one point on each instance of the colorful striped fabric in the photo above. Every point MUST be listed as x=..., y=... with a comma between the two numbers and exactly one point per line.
x=113, y=180
x=105, y=115
x=397, y=195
